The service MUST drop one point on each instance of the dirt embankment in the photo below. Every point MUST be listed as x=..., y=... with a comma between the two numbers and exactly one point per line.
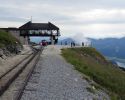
x=9, y=45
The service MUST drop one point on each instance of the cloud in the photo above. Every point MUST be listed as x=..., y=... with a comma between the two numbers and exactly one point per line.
x=96, y=18
x=80, y=38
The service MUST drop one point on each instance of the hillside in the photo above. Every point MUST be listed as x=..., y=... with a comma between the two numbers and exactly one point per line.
x=90, y=62
x=6, y=39
x=8, y=43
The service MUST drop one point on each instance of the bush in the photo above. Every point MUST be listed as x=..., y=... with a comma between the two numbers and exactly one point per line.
x=7, y=39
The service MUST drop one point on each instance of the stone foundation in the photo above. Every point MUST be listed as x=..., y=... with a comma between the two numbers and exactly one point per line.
x=16, y=34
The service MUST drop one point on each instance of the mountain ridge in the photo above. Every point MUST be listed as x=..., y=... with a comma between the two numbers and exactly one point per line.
x=112, y=47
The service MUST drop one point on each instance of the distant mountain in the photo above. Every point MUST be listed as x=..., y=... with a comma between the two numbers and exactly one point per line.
x=68, y=40
x=111, y=47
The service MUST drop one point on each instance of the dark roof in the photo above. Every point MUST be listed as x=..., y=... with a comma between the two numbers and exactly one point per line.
x=34, y=26
x=9, y=28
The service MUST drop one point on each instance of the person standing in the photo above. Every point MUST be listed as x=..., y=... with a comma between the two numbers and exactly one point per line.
x=74, y=44
x=65, y=42
x=83, y=44
x=71, y=44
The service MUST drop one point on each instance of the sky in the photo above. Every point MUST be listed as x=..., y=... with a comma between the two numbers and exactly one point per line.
x=88, y=18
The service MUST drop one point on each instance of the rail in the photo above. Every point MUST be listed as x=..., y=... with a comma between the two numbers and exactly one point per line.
x=9, y=76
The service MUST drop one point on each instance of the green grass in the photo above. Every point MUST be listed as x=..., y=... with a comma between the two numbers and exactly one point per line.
x=93, y=64
x=6, y=39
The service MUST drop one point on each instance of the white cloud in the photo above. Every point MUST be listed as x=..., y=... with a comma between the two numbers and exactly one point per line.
x=6, y=24
x=93, y=18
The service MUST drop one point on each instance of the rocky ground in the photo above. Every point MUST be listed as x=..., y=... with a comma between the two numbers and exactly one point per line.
x=7, y=62
x=55, y=79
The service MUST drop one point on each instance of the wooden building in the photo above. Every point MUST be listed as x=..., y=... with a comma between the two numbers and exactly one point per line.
x=35, y=29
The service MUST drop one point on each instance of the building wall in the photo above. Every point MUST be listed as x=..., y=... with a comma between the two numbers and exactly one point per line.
x=16, y=34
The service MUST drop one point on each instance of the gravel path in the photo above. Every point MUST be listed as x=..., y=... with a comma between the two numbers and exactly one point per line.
x=55, y=79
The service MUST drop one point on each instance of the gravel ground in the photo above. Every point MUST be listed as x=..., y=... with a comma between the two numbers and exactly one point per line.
x=55, y=79
x=8, y=63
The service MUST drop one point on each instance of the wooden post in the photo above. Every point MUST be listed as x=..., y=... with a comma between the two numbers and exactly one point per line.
x=52, y=40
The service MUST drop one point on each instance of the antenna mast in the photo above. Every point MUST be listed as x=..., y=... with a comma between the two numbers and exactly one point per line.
x=31, y=19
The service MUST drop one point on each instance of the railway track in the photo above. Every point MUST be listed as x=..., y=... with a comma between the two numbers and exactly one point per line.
x=11, y=75
x=20, y=92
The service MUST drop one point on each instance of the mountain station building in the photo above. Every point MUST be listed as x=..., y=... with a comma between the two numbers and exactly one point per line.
x=30, y=29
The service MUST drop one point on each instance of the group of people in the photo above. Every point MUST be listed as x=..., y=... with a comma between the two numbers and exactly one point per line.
x=73, y=44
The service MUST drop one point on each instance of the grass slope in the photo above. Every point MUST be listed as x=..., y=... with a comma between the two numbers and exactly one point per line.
x=6, y=39
x=90, y=62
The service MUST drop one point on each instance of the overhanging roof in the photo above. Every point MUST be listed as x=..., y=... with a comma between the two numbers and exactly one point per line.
x=36, y=26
